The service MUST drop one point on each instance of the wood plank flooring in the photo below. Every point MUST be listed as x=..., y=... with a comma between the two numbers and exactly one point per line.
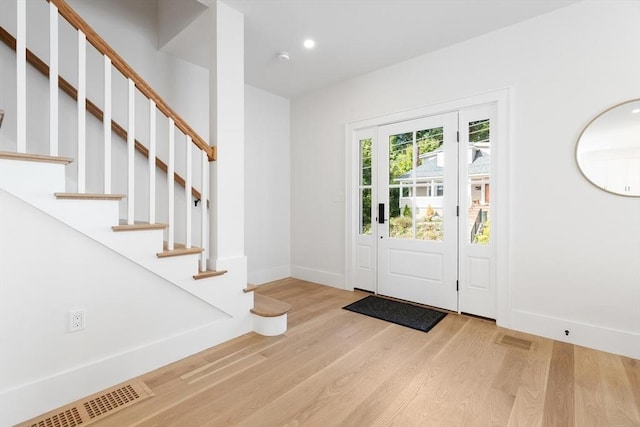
x=338, y=368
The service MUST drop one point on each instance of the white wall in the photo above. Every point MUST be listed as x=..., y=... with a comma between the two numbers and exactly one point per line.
x=131, y=29
x=267, y=186
x=573, y=250
x=135, y=321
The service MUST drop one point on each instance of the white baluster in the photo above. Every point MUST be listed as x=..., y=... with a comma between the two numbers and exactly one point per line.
x=204, y=218
x=170, y=189
x=152, y=162
x=106, y=125
x=131, y=145
x=53, y=79
x=21, y=77
x=82, y=111
x=187, y=193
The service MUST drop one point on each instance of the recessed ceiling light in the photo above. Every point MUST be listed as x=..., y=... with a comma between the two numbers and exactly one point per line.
x=636, y=111
x=309, y=44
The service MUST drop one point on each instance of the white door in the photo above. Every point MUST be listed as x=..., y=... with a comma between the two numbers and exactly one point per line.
x=416, y=210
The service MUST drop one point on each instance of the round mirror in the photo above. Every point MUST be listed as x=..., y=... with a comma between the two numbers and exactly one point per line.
x=608, y=149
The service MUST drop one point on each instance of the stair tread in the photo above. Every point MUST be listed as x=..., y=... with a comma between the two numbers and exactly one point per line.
x=178, y=249
x=137, y=225
x=249, y=288
x=208, y=273
x=89, y=196
x=35, y=157
x=265, y=306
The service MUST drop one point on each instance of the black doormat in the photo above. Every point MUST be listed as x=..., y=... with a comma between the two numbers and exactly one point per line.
x=401, y=313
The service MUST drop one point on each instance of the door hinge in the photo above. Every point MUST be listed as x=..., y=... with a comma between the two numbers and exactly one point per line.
x=458, y=210
x=457, y=285
x=457, y=136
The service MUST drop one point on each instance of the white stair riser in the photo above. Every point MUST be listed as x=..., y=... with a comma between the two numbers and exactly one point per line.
x=134, y=245
x=23, y=177
x=269, y=326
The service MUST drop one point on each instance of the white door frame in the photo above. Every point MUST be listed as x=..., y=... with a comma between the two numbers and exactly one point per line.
x=499, y=197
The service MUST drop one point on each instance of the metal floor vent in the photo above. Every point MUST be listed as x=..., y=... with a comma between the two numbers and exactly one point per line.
x=512, y=341
x=93, y=408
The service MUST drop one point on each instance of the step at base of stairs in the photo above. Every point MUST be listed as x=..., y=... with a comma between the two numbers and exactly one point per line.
x=178, y=250
x=269, y=315
x=35, y=158
x=136, y=226
x=208, y=273
x=89, y=196
x=265, y=306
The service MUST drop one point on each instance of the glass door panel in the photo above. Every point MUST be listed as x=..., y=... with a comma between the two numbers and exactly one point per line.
x=365, y=185
x=479, y=174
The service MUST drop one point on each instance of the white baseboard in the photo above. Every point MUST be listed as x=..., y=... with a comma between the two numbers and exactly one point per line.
x=30, y=400
x=318, y=276
x=626, y=343
x=269, y=275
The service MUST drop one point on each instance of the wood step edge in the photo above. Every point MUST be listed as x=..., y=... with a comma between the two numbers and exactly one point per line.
x=8, y=155
x=208, y=273
x=250, y=288
x=265, y=306
x=178, y=251
x=138, y=226
x=89, y=196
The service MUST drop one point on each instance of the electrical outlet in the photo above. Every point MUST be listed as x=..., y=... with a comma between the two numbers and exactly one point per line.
x=77, y=319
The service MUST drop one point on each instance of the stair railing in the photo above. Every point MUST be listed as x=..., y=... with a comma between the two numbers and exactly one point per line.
x=135, y=82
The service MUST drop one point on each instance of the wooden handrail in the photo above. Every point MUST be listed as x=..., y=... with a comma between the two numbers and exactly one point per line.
x=119, y=64
x=92, y=108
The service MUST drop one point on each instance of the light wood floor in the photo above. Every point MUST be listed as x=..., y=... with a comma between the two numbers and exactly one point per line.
x=337, y=368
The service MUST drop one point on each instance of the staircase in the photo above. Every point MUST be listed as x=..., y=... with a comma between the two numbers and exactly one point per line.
x=96, y=216
x=186, y=305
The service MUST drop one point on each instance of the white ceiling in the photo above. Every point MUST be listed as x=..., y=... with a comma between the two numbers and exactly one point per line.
x=353, y=37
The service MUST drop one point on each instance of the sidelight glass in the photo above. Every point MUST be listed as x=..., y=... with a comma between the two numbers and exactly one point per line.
x=365, y=161
x=479, y=183
x=364, y=187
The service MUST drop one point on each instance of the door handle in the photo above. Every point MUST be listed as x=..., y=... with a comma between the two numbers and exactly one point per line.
x=381, y=219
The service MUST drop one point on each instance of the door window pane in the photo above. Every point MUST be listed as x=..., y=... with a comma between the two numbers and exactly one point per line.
x=400, y=157
x=479, y=186
x=429, y=142
x=400, y=215
x=430, y=224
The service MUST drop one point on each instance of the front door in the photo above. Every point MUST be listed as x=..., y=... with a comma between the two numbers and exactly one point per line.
x=416, y=209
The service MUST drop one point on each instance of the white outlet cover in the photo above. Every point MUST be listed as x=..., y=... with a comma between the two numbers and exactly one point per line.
x=77, y=320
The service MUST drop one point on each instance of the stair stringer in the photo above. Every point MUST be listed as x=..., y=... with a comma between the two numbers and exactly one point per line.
x=36, y=183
